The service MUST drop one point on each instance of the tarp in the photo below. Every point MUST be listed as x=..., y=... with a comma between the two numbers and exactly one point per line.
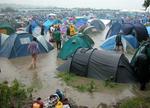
x=17, y=44
x=75, y=42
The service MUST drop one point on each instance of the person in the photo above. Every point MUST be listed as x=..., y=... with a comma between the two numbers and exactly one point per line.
x=33, y=48
x=119, y=45
x=51, y=30
x=72, y=30
x=42, y=30
x=57, y=38
x=142, y=70
x=30, y=29
x=38, y=103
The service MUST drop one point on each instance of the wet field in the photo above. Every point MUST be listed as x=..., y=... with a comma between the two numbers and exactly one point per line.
x=43, y=78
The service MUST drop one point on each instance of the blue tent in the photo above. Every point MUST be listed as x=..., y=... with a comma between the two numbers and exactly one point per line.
x=33, y=24
x=148, y=30
x=48, y=23
x=80, y=21
x=16, y=45
x=127, y=40
x=136, y=29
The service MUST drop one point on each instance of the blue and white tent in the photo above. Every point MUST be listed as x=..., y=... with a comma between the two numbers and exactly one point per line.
x=148, y=30
x=127, y=40
x=136, y=29
x=17, y=45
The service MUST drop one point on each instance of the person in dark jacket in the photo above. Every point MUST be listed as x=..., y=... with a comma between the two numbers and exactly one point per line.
x=142, y=70
x=42, y=30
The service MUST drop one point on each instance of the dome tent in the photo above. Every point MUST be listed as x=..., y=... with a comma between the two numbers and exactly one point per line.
x=100, y=64
x=5, y=28
x=136, y=29
x=17, y=44
x=141, y=49
x=75, y=42
x=97, y=23
x=129, y=42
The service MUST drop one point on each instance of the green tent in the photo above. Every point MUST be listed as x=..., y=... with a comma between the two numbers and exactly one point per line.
x=6, y=28
x=75, y=42
x=140, y=50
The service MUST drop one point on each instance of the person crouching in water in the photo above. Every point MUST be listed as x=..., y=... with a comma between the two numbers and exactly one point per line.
x=57, y=37
x=119, y=45
x=33, y=48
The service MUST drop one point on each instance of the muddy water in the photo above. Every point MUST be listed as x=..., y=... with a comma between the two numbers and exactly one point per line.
x=44, y=80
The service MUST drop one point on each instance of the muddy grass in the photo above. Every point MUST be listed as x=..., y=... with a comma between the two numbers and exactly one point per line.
x=83, y=84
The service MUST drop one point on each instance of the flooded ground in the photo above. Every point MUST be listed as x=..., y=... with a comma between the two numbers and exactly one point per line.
x=44, y=80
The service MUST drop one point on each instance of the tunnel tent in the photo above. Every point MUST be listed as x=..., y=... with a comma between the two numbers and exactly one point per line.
x=75, y=42
x=100, y=64
x=16, y=45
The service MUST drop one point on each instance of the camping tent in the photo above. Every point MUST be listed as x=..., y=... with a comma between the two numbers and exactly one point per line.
x=3, y=37
x=16, y=45
x=128, y=41
x=89, y=30
x=136, y=29
x=97, y=23
x=48, y=23
x=75, y=42
x=101, y=65
x=148, y=30
x=140, y=50
x=5, y=28
x=80, y=21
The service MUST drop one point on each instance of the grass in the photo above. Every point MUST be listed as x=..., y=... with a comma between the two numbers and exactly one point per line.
x=83, y=84
x=138, y=102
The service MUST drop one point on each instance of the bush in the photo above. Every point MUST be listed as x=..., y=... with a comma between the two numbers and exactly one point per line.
x=14, y=95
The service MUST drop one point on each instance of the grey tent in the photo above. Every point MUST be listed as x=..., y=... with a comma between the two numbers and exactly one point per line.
x=100, y=64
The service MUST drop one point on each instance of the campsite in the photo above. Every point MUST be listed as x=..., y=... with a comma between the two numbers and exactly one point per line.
x=89, y=70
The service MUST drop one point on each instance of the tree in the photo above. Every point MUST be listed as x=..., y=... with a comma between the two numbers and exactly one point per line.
x=146, y=4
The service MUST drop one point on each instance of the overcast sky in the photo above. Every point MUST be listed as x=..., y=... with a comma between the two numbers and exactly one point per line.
x=99, y=4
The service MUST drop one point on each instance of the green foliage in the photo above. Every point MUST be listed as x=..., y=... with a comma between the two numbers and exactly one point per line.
x=67, y=77
x=70, y=78
x=135, y=103
x=14, y=95
x=146, y=4
x=109, y=83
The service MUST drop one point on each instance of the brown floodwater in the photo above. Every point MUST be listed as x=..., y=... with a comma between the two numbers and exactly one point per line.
x=43, y=78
